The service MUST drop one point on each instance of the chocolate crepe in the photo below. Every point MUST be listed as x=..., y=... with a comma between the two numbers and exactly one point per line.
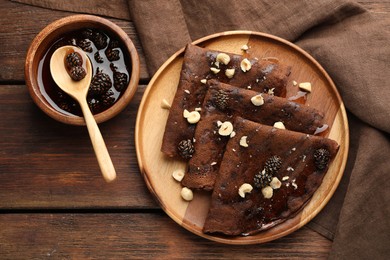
x=283, y=168
x=263, y=76
x=224, y=102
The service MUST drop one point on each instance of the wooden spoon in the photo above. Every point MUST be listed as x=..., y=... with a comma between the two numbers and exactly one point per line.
x=78, y=90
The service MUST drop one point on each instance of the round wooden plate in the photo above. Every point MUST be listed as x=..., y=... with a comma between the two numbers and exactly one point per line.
x=151, y=119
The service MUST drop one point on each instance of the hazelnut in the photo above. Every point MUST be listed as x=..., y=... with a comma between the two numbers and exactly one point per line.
x=229, y=73
x=257, y=100
x=186, y=194
x=279, y=125
x=271, y=91
x=165, y=104
x=243, y=141
x=215, y=70
x=223, y=58
x=275, y=183
x=186, y=113
x=306, y=86
x=226, y=128
x=193, y=117
x=244, y=47
x=244, y=188
x=245, y=65
x=267, y=192
x=178, y=175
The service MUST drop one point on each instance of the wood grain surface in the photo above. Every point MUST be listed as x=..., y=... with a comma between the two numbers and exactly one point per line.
x=134, y=236
x=53, y=202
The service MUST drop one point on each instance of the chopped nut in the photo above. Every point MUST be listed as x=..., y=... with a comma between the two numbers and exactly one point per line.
x=219, y=123
x=294, y=185
x=229, y=73
x=187, y=194
x=306, y=86
x=198, y=109
x=268, y=192
x=165, y=104
x=244, y=188
x=244, y=47
x=294, y=83
x=289, y=168
x=193, y=117
x=257, y=100
x=186, y=113
x=243, y=141
x=178, y=175
x=275, y=183
x=223, y=58
x=271, y=91
x=226, y=128
x=204, y=81
x=279, y=125
x=187, y=91
x=233, y=134
x=213, y=163
x=245, y=65
x=285, y=178
x=215, y=70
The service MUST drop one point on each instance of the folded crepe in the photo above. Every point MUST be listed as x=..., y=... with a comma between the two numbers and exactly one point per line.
x=269, y=180
x=201, y=65
x=222, y=103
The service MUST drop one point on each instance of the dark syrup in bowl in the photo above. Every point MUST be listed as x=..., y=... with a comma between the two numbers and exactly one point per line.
x=111, y=68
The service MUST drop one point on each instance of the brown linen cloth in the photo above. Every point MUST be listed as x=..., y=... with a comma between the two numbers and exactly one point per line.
x=347, y=40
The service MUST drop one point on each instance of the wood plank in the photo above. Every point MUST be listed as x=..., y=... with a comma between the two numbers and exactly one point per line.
x=131, y=236
x=42, y=167
x=20, y=23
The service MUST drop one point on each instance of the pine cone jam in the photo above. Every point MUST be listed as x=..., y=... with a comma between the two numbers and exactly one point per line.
x=109, y=72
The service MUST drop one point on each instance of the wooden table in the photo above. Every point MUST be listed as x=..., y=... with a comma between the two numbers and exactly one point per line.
x=53, y=200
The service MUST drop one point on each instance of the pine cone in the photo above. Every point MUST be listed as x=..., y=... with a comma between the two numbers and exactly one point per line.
x=100, y=83
x=120, y=81
x=321, y=158
x=77, y=73
x=186, y=149
x=112, y=55
x=74, y=59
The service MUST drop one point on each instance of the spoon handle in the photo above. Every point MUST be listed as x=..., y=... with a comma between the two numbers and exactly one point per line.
x=101, y=152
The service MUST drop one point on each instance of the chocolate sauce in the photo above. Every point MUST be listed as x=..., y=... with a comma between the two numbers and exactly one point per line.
x=300, y=97
x=106, y=54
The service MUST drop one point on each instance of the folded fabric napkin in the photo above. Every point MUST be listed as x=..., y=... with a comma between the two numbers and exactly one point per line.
x=353, y=47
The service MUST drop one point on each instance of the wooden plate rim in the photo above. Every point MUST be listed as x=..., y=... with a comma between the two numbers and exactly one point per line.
x=243, y=240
